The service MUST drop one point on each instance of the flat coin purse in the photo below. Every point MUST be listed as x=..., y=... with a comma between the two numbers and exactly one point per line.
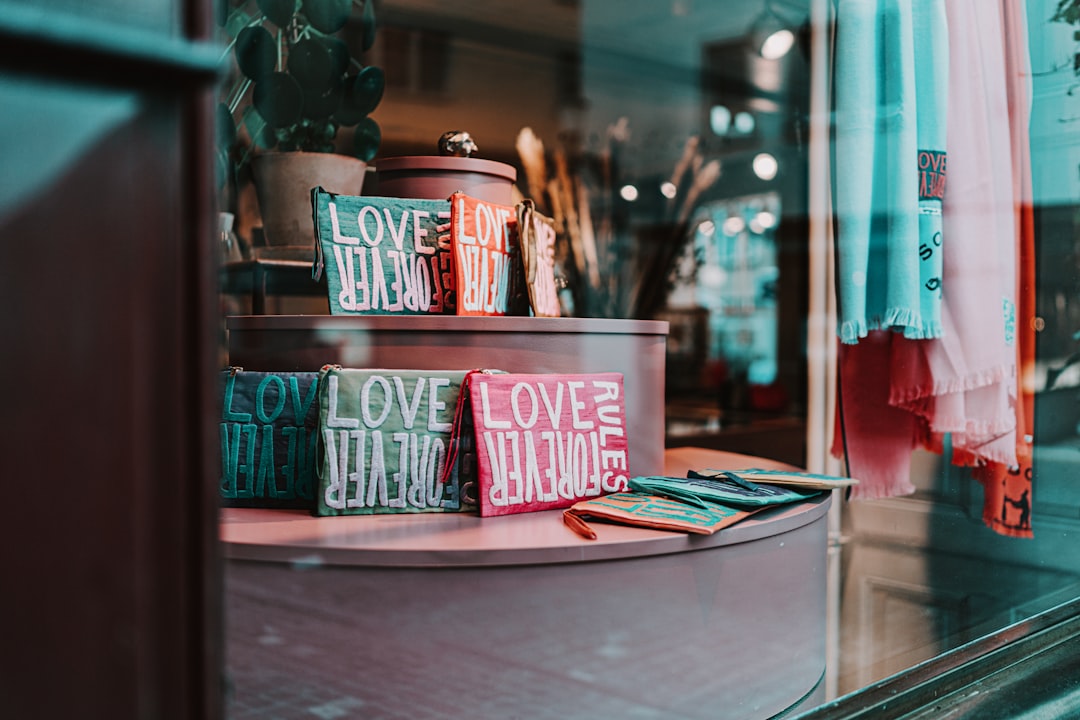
x=544, y=441
x=724, y=488
x=650, y=511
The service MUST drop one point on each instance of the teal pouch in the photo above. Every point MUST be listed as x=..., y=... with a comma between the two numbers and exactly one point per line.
x=384, y=256
x=268, y=439
x=726, y=489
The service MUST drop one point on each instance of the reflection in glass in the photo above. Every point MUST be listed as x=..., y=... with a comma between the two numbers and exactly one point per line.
x=674, y=156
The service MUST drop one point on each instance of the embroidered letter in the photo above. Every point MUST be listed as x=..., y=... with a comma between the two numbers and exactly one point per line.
x=332, y=419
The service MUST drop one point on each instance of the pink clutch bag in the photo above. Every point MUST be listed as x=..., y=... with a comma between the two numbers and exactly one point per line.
x=544, y=441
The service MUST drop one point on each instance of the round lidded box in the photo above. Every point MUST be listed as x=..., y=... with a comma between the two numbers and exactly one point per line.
x=438, y=177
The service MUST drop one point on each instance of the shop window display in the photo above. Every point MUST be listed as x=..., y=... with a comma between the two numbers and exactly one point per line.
x=673, y=147
x=693, y=182
x=700, y=165
x=835, y=237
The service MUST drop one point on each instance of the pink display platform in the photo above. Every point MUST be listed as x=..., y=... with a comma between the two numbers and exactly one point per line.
x=459, y=540
x=728, y=625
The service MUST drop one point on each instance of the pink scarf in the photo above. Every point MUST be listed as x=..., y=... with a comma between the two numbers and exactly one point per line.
x=965, y=382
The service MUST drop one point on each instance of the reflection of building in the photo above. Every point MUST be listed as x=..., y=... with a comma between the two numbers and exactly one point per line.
x=695, y=73
x=729, y=272
x=724, y=347
x=737, y=282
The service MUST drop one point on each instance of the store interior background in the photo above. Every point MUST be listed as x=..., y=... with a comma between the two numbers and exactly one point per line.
x=628, y=82
x=112, y=580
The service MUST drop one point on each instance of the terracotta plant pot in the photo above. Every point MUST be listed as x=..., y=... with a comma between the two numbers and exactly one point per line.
x=437, y=177
x=283, y=183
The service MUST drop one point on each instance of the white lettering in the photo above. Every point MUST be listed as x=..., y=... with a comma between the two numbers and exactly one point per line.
x=377, y=491
x=462, y=236
x=576, y=406
x=378, y=282
x=516, y=406
x=365, y=401
x=332, y=419
x=397, y=234
x=340, y=237
x=409, y=408
x=554, y=413
x=373, y=212
x=497, y=491
x=435, y=405
x=485, y=404
x=419, y=233
x=347, y=296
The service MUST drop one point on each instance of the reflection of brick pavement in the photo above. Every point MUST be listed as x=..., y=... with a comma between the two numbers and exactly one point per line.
x=340, y=643
x=306, y=656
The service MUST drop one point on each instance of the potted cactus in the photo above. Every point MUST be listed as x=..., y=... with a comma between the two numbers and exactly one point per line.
x=296, y=89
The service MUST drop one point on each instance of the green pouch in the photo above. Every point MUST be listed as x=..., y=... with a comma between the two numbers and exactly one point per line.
x=788, y=478
x=384, y=439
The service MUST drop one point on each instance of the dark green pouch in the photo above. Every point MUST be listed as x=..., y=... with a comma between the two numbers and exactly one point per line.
x=268, y=439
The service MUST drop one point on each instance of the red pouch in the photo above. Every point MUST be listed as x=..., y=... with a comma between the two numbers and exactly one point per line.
x=486, y=257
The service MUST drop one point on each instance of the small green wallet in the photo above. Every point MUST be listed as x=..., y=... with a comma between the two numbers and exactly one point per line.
x=724, y=488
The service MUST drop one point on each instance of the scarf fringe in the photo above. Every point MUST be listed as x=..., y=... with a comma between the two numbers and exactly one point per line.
x=851, y=331
x=899, y=397
x=976, y=457
x=925, y=331
x=881, y=488
x=902, y=320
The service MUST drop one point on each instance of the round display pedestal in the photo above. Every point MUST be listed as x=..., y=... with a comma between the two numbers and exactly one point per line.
x=437, y=178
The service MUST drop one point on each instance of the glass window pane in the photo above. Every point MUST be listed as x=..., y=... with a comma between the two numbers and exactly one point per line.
x=695, y=158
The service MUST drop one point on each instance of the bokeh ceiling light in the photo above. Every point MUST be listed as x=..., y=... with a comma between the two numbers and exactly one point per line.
x=765, y=166
x=744, y=122
x=771, y=35
x=777, y=44
x=719, y=120
x=734, y=225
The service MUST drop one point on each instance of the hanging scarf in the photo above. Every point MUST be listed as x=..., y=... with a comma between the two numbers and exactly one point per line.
x=889, y=97
x=964, y=383
x=891, y=169
x=1007, y=490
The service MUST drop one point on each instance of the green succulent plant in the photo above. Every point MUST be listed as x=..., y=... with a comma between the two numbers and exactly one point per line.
x=297, y=84
x=1068, y=11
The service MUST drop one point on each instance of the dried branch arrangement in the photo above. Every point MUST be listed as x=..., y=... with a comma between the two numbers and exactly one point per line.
x=613, y=264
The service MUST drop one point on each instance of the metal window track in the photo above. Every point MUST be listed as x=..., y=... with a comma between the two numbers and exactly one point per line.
x=1030, y=669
